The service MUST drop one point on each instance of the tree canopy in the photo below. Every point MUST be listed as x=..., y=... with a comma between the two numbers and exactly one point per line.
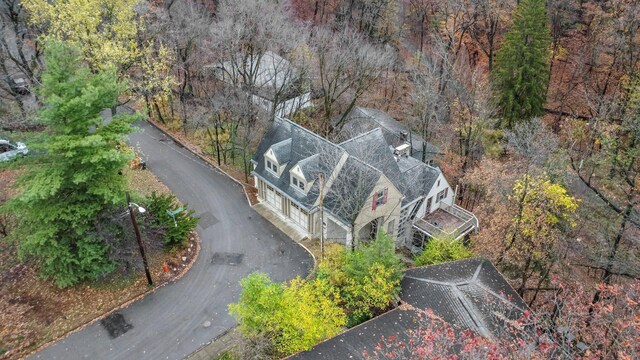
x=293, y=317
x=78, y=176
x=521, y=73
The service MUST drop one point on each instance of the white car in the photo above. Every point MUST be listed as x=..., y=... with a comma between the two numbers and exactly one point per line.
x=10, y=151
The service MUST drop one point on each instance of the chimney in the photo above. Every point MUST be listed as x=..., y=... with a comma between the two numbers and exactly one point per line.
x=402, y=150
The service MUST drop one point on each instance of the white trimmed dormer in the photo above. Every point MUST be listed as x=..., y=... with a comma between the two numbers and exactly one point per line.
x=272, y=165
x=298, y=180
x=277, y=157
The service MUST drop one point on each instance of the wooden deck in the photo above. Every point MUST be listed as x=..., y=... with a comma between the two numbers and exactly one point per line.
x=449, y=222
x=443, y=220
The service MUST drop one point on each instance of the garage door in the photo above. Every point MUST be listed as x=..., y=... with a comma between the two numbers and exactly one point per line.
x=299, y=216
x=274, y=198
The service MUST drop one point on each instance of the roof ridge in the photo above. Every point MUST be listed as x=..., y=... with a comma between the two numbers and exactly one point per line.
x=291, y=122
x=364, y=163
x=359, y=136
x=283, y=141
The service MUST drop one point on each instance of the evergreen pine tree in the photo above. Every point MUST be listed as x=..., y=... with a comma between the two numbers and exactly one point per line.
x=78, y=175
x=521, y=72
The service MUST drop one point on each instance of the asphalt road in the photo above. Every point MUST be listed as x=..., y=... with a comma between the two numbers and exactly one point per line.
x=171, y=323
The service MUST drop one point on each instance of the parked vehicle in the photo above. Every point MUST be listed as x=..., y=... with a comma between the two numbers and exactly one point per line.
x=9, y=151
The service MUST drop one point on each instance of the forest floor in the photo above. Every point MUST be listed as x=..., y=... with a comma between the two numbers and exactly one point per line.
x=37, y=312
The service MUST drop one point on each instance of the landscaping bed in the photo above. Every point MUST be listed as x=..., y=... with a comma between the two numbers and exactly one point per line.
x=36, y=312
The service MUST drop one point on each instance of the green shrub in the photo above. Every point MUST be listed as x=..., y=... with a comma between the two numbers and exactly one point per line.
x=292, y=317
x=176, y=233
x=368, y=278
x=442, y=250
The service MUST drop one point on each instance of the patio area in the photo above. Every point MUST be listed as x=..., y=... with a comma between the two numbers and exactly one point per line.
x=447, y=222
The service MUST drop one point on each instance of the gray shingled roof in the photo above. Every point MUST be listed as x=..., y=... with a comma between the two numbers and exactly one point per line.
x=362, y=120
x=351, y=189
x=282, y=151
x=352, y=343
x=370, y=156
x=468, y=294
x=303, y=145
x=410, y=176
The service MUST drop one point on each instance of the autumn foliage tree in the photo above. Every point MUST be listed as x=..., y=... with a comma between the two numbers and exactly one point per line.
x=368, y=278
x=104, y=31
x=292, y=317
x=543, y=212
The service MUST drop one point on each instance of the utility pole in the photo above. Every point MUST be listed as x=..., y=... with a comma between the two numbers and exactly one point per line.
x=321, y=217
x=139, y=239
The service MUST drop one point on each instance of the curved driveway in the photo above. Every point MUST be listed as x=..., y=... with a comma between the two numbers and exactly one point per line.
x=179, y=318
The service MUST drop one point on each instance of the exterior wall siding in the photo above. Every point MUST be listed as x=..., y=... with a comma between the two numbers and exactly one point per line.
x=387, y=213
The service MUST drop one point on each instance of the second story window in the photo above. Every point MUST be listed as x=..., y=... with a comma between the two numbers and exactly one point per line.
x=272, y=166
x=442, y=195
x=297, y=183
x=379, y=198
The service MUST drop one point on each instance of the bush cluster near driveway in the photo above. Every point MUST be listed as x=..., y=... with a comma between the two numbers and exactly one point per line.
x=368, y=279
x=349, y=287
x=175, y=228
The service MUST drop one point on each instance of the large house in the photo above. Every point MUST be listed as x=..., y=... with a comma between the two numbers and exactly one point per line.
x=468, y=295
x=276, y=84
x=350, y=191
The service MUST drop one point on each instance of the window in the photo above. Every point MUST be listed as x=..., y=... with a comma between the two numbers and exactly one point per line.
x=438, y=183
x=390, y=227
x=272, y=166
x=379, y=198
x=297, y=183
x=441, y=195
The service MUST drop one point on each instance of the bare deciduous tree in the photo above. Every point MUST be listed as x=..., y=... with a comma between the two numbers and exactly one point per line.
x=348, y=66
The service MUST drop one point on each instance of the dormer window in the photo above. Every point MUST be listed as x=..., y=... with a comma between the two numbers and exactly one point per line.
x=272, y=166
x=297, y=183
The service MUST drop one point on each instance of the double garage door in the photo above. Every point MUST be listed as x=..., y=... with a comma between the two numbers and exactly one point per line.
x=296, y=214
x=274, y=198
x=299, y=216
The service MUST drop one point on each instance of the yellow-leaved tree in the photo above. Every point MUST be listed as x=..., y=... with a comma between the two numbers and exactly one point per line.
x=109, y=34
x=533, y=245
x=105, y=31
x=289, y=318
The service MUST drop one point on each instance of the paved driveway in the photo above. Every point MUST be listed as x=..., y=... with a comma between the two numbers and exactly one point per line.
x=170, y=323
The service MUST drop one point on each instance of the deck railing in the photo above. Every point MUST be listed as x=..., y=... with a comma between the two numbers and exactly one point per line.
x=470, y=223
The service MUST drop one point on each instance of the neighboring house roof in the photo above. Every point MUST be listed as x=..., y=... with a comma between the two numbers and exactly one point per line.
x=468, y=295
x=271, y=73
x=361, y=120
x=370, y=156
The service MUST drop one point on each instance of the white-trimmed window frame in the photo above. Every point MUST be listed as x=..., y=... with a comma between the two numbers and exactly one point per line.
x=298, y=184
x=268, y=163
